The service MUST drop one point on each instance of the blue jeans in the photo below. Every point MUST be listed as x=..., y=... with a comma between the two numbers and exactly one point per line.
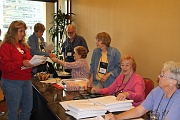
x=19, y=97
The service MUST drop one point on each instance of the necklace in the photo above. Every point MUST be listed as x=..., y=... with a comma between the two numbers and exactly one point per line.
x=121, y=90
x=163, y=113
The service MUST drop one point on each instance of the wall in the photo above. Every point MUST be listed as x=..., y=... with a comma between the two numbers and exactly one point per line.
x=50, y=7
x=147, y=29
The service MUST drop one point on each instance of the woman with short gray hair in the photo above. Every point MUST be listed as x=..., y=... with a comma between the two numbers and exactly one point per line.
x=162, y=100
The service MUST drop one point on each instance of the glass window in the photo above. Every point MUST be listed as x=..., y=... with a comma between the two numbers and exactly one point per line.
x=30, y=12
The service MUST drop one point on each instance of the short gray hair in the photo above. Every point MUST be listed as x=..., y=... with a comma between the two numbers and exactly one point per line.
x=174, y=68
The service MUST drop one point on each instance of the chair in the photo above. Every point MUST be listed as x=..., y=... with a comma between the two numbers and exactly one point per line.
x=149, y=85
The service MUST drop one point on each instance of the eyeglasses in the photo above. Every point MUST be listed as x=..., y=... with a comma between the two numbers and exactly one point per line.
x=70, y=32
x=162, y=76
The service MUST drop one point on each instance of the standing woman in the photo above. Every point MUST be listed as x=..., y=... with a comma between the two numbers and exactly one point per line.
x=105, y=61
x=16, y=82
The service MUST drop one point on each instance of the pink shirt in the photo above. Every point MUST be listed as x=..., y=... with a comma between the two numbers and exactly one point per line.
x=80, y=68
x=135, y=87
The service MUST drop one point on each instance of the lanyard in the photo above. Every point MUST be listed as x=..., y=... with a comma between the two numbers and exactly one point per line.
x=166, y=105
x=121, y=90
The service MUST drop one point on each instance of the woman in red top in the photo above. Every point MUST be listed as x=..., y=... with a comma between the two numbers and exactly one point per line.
x=16, y=82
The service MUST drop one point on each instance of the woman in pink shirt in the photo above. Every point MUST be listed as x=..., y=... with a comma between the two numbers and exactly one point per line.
x=128, y=85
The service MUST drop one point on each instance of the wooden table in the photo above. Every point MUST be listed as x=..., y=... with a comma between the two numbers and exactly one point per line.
x=48, y=98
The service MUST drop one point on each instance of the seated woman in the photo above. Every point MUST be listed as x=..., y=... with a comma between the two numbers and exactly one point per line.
x=128, y=85
x=80, y=68
x=163, y=100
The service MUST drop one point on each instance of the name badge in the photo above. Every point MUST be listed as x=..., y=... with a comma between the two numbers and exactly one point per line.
x=103, y=67
x=69, y=53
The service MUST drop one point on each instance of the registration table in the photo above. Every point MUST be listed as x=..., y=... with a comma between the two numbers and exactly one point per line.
x=46, y=102
x=47, y=99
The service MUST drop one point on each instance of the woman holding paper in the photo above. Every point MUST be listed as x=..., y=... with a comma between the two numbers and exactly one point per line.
x=16, y=82
x=128, y=85
x=38, y=46
x=80, y=68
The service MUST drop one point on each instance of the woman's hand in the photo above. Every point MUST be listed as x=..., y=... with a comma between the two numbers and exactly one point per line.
x=122, y=96
x=90, y=84
x=27, y=64
x=105, y=77
x=54, y=59
x=110, y=116
x=94, y=90
x=52, y=55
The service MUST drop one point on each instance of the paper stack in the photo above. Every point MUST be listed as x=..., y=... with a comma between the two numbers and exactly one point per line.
x=94, y=107
x=83, y=108
x=113, y=105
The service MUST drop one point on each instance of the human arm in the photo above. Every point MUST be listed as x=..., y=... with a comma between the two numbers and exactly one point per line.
x=94, y=90
x=34, y=46
x=90, y=84
x=105, y=76
x=56, y=60
x=134, y=90
x=138, y=87
x=11, y=60
x=112, y=88
x=27, y=64
x=132, y=113
x=122, y=96
x=93, y=66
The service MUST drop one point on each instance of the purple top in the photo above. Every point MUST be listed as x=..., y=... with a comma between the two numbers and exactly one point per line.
x=135, y=87
x=80, y=68
x=169, y=110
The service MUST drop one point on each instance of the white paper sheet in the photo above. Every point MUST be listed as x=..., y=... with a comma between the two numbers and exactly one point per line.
x=36, y=60
x=110, y=100
x=49, y=47
x=51, y=80
x=94, y=118
x=95, y=106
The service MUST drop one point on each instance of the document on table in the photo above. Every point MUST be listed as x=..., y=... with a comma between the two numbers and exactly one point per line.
x=94, y=118
x=51, y=80
x=94, y=107
x=36, y=60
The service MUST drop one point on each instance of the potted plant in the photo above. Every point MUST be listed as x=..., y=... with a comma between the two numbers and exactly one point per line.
x=58, y=31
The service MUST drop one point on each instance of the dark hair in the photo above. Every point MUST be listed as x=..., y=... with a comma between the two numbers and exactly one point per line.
x=81, y=51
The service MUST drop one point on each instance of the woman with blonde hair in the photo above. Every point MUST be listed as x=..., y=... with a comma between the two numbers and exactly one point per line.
x=16, y=82
x=128, y=85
